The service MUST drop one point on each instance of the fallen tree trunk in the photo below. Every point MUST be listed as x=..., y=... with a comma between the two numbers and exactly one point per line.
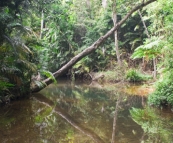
x=90, y=49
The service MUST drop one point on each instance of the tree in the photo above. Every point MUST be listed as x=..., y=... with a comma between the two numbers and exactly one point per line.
x=114, y=18
x=146, y=51
x=15, y=56
x=90, y=49
x=161, y=29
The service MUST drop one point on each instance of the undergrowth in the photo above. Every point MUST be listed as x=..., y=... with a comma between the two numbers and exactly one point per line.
x=133, y=75
x=114, y=75
x=163, y=94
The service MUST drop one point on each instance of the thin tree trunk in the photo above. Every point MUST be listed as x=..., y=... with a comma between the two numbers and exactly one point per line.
x=104, y=3
x=42, y=24
x=146, y=30
x=114, y=18
x=148, y=35
x=88, y=50
x=155, y=68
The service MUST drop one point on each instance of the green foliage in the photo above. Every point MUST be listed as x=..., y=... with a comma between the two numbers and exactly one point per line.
x=163, y=94
x=16, y=56
x=49, y=75
x=133, y=75
x=157, y=127
x=150, y=49
x=69, y=27
x=161, y=28
x=132, y=33
x=57, y=39
x=80, y=67
x=5, y=85
x=45, y=113
x=116, y=74
x=5, y=93
x=145, y=117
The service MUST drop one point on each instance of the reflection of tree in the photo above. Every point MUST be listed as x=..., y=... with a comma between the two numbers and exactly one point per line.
x=156, y=127
x=115, y=120
x=95, y=108
x=69, y=119
x=92, y=108
x=92, y=111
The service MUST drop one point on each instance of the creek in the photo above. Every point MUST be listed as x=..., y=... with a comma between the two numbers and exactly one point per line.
x=80, y=113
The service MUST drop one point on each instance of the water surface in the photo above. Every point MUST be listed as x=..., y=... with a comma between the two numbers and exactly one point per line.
x=79, y=113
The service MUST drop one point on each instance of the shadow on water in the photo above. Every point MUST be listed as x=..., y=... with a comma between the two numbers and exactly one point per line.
x=78, y=113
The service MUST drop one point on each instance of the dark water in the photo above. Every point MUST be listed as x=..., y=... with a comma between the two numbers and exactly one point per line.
x=77, y=113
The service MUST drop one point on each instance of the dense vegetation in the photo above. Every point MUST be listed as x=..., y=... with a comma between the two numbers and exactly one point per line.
x=39, y=37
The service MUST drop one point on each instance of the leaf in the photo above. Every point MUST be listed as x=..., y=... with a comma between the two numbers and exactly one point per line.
x=49, y=75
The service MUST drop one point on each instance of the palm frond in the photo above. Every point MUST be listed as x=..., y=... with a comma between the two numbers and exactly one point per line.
x=10, y=70
x=27, y=65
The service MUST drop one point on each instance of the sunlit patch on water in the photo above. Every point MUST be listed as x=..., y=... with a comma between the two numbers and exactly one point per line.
x=77, y=113
x=139, y=90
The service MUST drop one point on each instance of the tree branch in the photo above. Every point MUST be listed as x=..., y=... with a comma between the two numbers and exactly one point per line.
x=90, y=49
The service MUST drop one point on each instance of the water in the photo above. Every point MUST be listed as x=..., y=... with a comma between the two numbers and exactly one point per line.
x=78, y=113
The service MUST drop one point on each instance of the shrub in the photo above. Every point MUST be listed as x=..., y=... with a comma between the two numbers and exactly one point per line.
x=163, y=94
x=134, y=76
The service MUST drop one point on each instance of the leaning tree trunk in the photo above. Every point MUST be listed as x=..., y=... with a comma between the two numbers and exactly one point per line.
x=90, y=49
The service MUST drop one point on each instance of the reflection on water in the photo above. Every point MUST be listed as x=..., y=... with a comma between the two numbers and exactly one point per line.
x=76, y=113
x=157, y=126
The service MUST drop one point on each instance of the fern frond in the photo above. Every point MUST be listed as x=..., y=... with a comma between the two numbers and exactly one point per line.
x=11, y=42
x=28, y=65
x=13, y=25
x=49, y=75
x=4, y=85
x=26, y=49
x=12, y=74
x=23, y=29
x=10, y=70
